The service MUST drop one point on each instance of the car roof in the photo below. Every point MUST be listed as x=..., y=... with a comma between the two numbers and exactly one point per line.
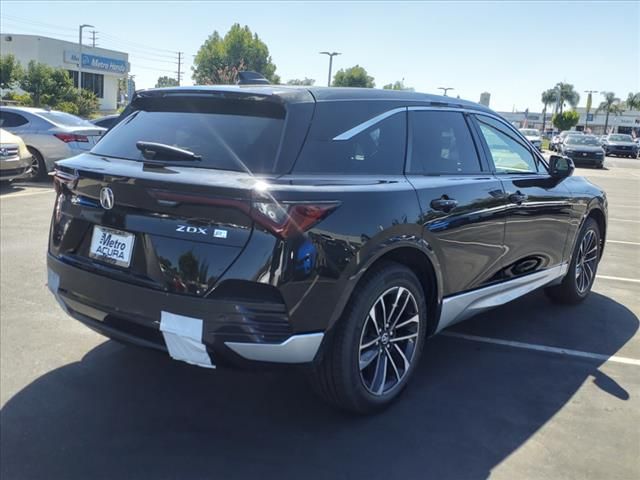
x=25, y=109
x=296, y=94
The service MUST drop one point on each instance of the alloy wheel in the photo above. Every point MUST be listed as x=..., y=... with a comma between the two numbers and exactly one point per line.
x=587, y=261
x=35, y=167
x=388, y=340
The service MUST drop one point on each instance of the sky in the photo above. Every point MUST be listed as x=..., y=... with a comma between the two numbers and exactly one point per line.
x=514, y=50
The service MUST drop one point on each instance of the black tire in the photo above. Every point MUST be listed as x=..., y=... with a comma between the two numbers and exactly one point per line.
x=337, y=375
x=573, y=289
x=38, y=167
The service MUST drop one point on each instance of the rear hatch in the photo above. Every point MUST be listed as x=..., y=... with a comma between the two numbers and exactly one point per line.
x=162, y=220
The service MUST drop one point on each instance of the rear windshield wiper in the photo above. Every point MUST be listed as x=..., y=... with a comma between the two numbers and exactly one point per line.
x=153, y=150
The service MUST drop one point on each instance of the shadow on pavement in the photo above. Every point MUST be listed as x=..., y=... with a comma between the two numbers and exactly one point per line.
x=128, y=413
x=20, y=186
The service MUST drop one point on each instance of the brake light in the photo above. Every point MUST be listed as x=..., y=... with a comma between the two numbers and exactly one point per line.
x=71, y=137
x=285, y=219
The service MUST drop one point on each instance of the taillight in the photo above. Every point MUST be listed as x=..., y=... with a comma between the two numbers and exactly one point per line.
x=71, y=137
x=64, y=179
x=285, y=219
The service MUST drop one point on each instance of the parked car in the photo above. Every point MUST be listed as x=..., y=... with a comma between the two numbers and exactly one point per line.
x=558, y=139
x=281, y=225
x=107, y=121
x=583, y=149
x=15, y=159
x=620, y=144
x=50, y=135
x=533, y=135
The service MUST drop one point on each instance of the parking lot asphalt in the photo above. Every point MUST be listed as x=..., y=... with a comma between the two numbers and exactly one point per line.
x=530, y=390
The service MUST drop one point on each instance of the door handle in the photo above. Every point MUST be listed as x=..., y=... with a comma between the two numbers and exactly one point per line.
x=444, y=204
x=518, y=197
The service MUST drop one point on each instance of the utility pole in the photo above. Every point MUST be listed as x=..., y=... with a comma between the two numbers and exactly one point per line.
x=589, y=100
x=331, y=55
x=84, y=25
x=93, y=38
x=179, y=72
x=445, y=89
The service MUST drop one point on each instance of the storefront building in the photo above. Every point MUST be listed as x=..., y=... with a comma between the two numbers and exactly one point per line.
x=101, y=68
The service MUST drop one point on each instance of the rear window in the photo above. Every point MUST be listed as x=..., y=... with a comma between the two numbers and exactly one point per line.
x=226, y=138
x=65, y=119
x=376, y=149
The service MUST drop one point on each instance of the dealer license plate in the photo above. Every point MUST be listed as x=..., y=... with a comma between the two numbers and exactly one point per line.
x=111, y=246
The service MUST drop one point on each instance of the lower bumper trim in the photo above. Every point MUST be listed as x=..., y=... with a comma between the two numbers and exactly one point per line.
x=296, y=349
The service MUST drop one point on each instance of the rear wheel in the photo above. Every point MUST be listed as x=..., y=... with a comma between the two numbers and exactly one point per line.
x=38, y=167
x=372, y=352
x=576, y=285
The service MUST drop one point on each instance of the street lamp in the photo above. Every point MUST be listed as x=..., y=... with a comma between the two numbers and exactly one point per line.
x=84, y=25
x=331, y=55
x=445, y=89
x=586, y=121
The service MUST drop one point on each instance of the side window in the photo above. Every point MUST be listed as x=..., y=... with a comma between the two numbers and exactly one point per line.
x=377, y=150
x=10, y=119
x=441, y=144
x=507, y=153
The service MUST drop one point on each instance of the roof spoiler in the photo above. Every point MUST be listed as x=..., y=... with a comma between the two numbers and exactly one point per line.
x=251, y=78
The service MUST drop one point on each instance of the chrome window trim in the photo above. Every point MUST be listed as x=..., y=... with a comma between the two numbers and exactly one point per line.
x=352, y=132
x=462, y=306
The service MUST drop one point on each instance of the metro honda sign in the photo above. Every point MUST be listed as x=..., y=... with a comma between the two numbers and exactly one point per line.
x=95, y=62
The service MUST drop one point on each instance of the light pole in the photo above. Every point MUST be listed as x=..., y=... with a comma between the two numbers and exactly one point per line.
x=84, y=25
x=445, y=89
x=331, y=55
x=586, y=120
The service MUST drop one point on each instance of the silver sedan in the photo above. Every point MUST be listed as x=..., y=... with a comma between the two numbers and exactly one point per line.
x=50, y=135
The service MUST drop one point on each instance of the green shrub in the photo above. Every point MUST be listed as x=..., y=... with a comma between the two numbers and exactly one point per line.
x=23, y=99
x=68, y=107
x=87, y=103
x=565, y=120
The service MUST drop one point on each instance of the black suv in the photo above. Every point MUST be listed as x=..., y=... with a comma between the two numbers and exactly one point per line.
x=329, y=227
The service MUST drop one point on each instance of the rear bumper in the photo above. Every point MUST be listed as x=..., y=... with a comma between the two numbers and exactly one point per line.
x=197, y=330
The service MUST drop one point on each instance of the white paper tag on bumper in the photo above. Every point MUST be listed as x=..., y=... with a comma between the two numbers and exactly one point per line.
x=183, y=336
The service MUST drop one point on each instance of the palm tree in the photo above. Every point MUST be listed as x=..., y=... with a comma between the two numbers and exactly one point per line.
x=548, y=97
x=633, y=101
x=565, y=93
x=610, y=104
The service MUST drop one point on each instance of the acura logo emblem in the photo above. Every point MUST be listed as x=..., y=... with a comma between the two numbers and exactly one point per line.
x=106, y=198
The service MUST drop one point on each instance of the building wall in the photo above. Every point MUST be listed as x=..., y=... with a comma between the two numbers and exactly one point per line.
x=51, y=51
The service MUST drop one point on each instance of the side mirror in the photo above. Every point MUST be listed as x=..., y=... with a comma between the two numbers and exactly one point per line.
x=561, y=166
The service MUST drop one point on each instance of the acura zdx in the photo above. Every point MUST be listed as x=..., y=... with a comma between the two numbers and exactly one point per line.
x=333, y=228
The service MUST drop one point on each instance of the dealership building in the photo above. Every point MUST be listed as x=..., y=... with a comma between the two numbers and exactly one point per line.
x=101, y=68
x=627, y=122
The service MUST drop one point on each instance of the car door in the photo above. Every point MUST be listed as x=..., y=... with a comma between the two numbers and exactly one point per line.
x=539, y=206
x=462, y=201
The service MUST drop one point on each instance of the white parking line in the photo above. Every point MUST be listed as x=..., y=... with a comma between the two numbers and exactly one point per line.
x=25, y=194
x=623, y=220
x=622, y=242
x=544, y=348
x=619, y=279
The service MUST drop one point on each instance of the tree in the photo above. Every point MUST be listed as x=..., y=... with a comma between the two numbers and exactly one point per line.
x=37, y=81
x=353, y=77
x=165, y=81
x=548, y=97
x=306, y=82
x=633, y=101
x=610, y=104
x=239, y=46
x=10, y=71
x=565, y=120
x=87, y=103
x=565, y=93
x=397, y=85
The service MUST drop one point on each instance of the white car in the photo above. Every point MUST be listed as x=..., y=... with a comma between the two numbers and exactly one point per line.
x=15, y=159
x=533, y=135
x=50, y=135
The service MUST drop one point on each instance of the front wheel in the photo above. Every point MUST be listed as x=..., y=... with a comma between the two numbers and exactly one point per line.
x=370, y=355
x=576, y=285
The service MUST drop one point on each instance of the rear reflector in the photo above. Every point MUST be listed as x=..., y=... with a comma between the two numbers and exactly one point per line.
x=71, y=137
